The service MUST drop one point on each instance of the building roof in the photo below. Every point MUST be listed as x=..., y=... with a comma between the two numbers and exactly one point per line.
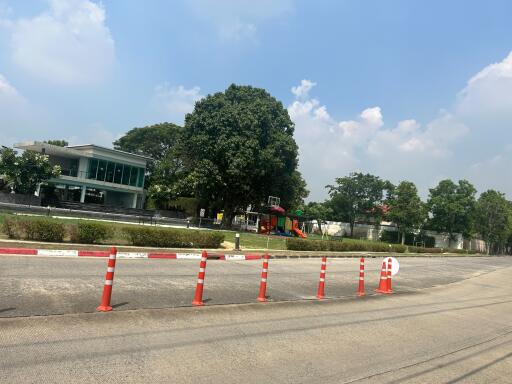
x=94, y=146
x=74, y=151
x=49, y=149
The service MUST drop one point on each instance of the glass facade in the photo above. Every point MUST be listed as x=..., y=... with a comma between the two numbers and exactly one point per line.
x=109, y=171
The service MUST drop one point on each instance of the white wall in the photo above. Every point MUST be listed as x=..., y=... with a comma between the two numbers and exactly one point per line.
x=370, y=232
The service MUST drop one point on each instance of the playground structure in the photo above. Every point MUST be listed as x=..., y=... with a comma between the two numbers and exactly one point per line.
x=278, y=222
x=272, y=221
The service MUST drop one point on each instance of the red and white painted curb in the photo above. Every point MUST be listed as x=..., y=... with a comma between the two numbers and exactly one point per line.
x=120, y=255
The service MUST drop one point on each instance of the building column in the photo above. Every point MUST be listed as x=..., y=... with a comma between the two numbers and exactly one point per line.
x=134, y=203
x=82, y=195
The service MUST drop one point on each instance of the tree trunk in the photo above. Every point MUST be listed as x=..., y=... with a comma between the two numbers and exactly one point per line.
x=352, y=223
x=403, y=237
x=227, y=218
x=319, y=222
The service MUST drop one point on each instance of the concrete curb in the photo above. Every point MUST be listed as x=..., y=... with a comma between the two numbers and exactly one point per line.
x=121, y=255
x=214, y=255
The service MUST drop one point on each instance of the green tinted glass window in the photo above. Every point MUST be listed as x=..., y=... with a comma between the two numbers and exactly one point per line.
x=118, y=173
x=110, y=172
x=140, y=180
x=102, y=170
x=133, y=176
x=93, y=169
x=126, y=174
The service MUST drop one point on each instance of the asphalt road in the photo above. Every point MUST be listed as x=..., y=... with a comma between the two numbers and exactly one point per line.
x=455, y=333
x=41, y=285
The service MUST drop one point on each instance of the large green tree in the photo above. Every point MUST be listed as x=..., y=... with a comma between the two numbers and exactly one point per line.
x=451, y=207
x=161, y=142
x=358, y=196
x=239, y=149
x=406, y=209
x=24, y=173
x=493, y=219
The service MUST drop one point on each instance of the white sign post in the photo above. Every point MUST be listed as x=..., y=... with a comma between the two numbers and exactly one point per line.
x=201, y=215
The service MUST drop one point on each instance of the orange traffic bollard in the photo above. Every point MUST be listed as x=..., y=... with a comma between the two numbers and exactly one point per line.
x=321, y=284
x=388, y=288
x=360, y=290
x=383, y=284
x=198, y=298
x=263, y=282
x=109, y=280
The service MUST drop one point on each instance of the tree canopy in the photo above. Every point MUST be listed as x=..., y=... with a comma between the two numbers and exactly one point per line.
x=24, y=173
x=358, y=196
x=452, y=207
x=58, y=143
x=493, y=219
x=161, y=142
x=153, y=141
x=319, y=212
x=239, y=149
x=406, y=209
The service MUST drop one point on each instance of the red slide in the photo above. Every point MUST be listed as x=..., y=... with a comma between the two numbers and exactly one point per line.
x=299, y=233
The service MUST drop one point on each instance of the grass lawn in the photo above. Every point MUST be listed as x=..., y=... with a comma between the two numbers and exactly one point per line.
x=255, y=241
x=247, y=240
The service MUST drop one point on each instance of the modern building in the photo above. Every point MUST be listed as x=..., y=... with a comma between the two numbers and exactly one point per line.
x=92, y=174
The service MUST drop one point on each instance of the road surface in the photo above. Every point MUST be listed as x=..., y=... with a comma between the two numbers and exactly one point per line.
x=455, y=333
x=43, y=285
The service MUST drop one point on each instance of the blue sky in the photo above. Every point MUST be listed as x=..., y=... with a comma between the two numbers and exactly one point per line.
x=407, y=90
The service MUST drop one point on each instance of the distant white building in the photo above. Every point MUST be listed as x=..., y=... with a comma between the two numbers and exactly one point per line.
x=372, y=232
x=93, y=174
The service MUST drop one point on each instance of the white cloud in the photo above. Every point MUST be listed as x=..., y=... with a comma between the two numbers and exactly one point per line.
x=302, y=91
x=236, y=20
x=7, y=91
x=487, y=94
x=68, y=44
x=172, y=103
x=470, y=140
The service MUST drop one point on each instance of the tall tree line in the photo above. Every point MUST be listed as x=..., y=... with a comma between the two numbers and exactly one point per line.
x=451, y=208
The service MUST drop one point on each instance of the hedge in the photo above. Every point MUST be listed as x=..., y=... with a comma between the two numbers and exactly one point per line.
x=36, y=229
x=363, y=246
x=50, y=230
x=90, y=232
x=413, y=249
x=172, y=238
x=340, y=246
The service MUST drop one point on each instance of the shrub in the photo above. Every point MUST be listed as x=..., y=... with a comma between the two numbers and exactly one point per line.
x=398, y=248
x=9, y=228
x=413, y=249
x=462, y=251
x=342, y=246
x=172, y=238
x=307, y=245
x=90, y=232
x=37, y=229
x=390, y=237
